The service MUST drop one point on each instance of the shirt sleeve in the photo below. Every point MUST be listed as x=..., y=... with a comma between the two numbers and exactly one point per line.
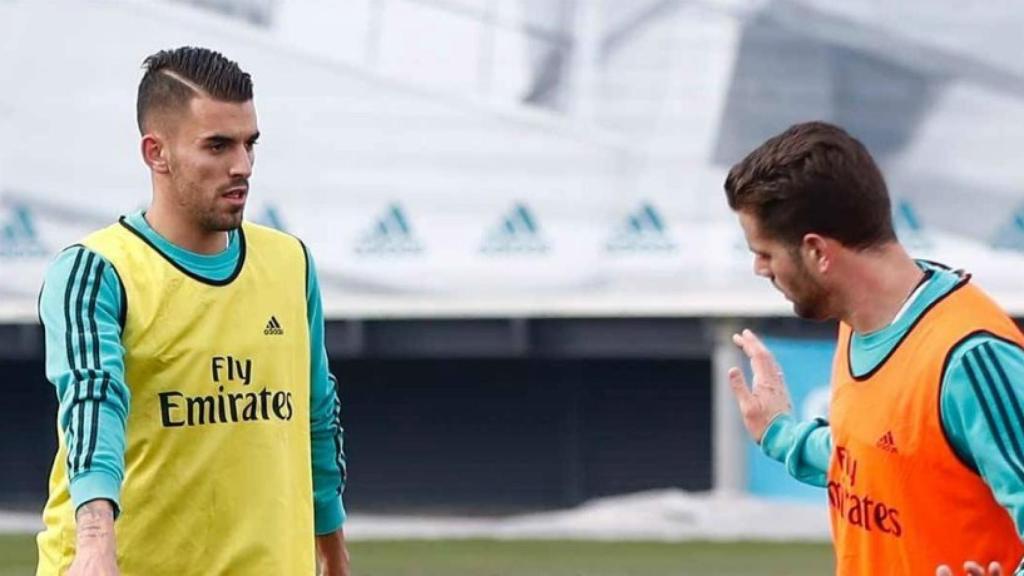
x=982, y=411
x=81, y=309
x=327, y=444
x=805, y=448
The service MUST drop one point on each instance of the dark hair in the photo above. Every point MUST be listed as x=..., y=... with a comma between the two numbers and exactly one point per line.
x=174, y=77
x=813, y=178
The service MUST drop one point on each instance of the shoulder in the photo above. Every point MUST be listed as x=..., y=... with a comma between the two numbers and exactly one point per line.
x=73, y=262
x=113, y=233
x=982, y=344
x=980, y=361
x=266, y=234
x=282, y=246
x=78, y=274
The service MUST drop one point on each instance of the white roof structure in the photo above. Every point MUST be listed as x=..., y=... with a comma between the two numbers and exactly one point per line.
x=580, y=176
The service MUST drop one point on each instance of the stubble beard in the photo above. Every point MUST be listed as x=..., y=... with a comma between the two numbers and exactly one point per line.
x=812, y=302
x=212, y=221
x=204, y=211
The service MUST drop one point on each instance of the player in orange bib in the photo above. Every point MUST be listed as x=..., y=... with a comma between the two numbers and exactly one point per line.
x=923, y=456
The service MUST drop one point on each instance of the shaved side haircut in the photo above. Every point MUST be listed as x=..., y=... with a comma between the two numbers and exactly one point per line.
x=174, y=77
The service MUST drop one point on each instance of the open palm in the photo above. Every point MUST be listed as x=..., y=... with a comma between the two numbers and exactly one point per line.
x=768, y=397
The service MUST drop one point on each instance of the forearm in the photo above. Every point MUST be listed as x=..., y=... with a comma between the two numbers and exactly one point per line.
x=95, y=540
x=95, y=439
x=326, y=441
x=978, y=403
x=333, y=553
x=94, y=527
x=804, y=447
x=328, y=457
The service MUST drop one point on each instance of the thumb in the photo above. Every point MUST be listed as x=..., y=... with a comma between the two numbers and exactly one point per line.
x=738, y=383
x=943, y=571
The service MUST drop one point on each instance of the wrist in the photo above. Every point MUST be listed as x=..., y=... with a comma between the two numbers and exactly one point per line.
x=332, y=549
x=777, y=436
x=94, y=529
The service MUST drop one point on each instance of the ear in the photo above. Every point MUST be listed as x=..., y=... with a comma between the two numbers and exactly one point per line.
x=154, y=152
x=817, y=252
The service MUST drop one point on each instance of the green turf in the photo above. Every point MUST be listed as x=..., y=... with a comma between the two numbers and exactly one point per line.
x=17, y=555
x=543, y=558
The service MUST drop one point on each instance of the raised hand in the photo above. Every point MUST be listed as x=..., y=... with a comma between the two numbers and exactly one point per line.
x=972, y=569
x=768, y=397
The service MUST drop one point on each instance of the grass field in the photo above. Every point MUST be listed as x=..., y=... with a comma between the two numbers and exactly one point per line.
x=542, y=558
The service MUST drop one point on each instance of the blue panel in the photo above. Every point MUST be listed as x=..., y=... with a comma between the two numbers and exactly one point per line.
x=807, y=365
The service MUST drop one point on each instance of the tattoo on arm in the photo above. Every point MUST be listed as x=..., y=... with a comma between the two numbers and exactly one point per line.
x=95, y=520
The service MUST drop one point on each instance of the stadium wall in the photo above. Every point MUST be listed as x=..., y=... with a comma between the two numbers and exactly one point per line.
x=465, y=416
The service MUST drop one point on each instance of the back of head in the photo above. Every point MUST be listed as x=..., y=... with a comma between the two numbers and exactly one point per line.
x=813, y=178
x=174, y=77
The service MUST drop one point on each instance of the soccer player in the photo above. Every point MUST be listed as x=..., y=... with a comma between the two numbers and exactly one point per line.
x=198, y=426
x=923, y=454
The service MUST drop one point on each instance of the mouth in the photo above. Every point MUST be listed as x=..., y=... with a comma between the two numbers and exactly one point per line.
x=236, y=195
x=780, y=290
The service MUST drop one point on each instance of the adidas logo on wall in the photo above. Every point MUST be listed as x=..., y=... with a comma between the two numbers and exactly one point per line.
x=273, y=327
x=392, y=234
x=19, y=237
x=1011, y=235
x=516, y=233
x=642, y=231
x=909, y=228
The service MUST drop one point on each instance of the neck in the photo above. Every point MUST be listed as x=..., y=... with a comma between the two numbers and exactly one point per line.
x=169, y=222
x=878, y=283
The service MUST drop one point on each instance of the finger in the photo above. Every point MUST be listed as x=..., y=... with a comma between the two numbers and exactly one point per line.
x=995, y=569
x=973, y=569
x=743, y=341
x=766, y=371
x=943, y=571
x=760, y=356
x=738, y=383
x=737, y=339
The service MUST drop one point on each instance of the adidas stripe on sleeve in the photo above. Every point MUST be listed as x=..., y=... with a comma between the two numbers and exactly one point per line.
x=326, y=433
x=983, y=416
x=81, y=308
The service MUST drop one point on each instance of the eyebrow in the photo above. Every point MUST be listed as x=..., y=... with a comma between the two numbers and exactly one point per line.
x=223, y=139
x=218, y=139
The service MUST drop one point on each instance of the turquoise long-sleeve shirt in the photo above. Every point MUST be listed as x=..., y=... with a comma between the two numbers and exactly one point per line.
x=979, y=408
x=78, y=270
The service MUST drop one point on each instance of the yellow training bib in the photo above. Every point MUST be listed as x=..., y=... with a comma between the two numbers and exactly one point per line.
x=218, y=475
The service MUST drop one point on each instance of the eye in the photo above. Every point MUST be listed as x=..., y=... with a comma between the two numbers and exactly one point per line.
x=217, y=147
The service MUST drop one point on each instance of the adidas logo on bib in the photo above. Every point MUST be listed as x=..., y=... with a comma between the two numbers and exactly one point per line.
x=887, y=443
x=273, y=328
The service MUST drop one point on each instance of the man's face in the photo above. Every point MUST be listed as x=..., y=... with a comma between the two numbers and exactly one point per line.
x=210, y=159
x=785, y=267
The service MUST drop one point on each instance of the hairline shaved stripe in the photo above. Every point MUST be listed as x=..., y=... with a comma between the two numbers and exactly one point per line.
x=192, y=86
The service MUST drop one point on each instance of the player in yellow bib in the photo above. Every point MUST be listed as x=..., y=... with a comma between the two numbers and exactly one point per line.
x=198, y=427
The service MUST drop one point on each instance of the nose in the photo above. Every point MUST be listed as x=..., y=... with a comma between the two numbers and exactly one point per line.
x=761, y=267
x=241, y=164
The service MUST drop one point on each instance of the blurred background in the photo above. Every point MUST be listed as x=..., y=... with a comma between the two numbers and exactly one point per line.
x=529, y=270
